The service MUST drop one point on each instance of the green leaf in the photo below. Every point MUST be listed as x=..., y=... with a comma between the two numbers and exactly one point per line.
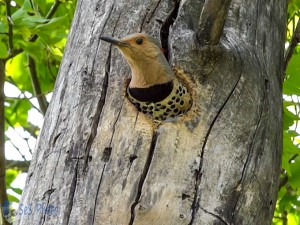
x=56, y=34
x=288, y=144
x=2, y=27
x=52, y=23
x=17, y=71
x=291, y=84
x=12, y=198
x=35, y=49
x=3, y=50
x=286, y=164
x=17, y=190
x=41, y=4
x=293, y=219
x=11, y=175
x=27, y=6
x=17, y=113
x=288, y=119
x=294, y=179
x=52, y=38
x=19, y=2
x=293, y=7
x=21, y=18
x=285, y=202
x=282, y=192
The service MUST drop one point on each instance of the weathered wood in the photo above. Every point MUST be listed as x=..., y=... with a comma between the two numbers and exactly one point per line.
x=211, y=21
x=101, y=162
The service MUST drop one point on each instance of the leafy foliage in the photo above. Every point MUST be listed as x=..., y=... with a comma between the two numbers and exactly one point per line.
x=37, y=30
x=288, y=204
x=11, y=175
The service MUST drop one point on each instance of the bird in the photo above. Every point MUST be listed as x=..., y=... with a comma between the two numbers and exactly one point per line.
x=154, y=88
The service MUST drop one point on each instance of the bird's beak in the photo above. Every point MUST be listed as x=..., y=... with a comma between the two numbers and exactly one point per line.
x=115, y=41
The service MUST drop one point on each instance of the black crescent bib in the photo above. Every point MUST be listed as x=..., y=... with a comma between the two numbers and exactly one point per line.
x=154, y=93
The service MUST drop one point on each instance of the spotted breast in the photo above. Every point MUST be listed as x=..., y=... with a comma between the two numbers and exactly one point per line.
x=161, y=102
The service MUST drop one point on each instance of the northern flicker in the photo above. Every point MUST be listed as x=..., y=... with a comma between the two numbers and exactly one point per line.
x=153, y=89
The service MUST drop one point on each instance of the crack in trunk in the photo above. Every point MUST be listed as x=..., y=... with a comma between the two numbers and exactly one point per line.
x=214, y=215
x=49, y=193
x=133, y=157
x=69, y=205
x=96, y=118
x=143, y=176
x=114, y=125
x=165, y=29
x=265, y=103
x=97, y=193
x=101, y=101
x=195, y=205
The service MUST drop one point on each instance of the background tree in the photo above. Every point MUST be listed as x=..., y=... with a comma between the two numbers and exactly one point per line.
x=288, y=202
x=31, y=45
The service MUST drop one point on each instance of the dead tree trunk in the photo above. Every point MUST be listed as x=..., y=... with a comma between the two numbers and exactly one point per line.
x=99, y=161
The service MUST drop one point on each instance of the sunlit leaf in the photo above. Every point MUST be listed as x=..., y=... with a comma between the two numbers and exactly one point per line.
x=17, y=71
x=293, y=219
x=11, y=175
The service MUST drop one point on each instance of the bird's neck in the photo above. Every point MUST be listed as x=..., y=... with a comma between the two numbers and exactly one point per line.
x=149, y=74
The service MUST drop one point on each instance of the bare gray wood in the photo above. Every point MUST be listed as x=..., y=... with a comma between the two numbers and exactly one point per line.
x=101, y=162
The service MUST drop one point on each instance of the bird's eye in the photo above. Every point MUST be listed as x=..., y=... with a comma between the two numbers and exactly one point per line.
x=139, y=41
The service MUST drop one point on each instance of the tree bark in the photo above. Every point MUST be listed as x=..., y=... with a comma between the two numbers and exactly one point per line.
x=99, y=161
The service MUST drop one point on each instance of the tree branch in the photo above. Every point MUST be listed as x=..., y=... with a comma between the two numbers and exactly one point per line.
x=35, y=36
x=284, y=217
x=3, y=195
x=29, y=130
x=294, y=41
x=211, y=21
x=21, y=165
x=10, y=80
x=36, y=86
x=284, y=180
x=43, y=104
x=10, y=28
x=23, y=156
x=11, y=54
x=27, y=98
x=32, y=129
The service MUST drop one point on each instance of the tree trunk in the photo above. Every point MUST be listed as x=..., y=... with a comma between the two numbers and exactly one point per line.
x=99, y=161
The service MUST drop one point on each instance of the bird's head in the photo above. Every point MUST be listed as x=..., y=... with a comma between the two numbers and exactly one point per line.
x=147, y=62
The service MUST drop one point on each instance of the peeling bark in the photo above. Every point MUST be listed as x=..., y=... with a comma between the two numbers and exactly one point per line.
x=99, y=161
